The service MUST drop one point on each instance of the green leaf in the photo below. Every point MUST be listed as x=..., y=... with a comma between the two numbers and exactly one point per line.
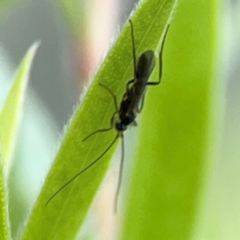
x=12, y=109
x=32, y=143
x=9, y=120
x=177, y=133
x=63, y=216
x=4, y=230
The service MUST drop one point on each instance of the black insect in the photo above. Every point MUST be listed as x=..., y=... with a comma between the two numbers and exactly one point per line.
x=131, y=104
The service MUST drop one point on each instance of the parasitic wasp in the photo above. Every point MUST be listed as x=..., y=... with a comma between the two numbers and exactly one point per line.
x=131, y=105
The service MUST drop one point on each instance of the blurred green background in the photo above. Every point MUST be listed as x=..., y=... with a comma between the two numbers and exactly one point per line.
x=75, y=35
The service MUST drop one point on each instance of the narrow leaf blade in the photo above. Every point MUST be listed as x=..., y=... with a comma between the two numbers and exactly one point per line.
x=11, y=112
x=66, y=212
x=4, y=226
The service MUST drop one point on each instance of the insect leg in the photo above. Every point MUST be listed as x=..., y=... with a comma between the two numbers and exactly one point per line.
x=128, y=84
x=102, y=130
x=140, y=105
x=120, y=175
x=160, y=60
x=111, y=93
x=82, y=171
x=112, y=119
x=133, y=51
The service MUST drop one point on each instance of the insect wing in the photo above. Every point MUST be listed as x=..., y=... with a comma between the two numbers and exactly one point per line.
x=145, y=66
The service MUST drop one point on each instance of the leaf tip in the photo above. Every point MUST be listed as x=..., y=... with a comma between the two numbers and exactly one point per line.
x=34, y=47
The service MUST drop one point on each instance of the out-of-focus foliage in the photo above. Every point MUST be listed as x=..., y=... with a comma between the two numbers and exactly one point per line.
x=9, y=121
x=74, y=12
x=12, y=109
x=7, y=4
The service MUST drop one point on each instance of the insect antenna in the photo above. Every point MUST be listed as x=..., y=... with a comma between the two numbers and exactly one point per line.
x=99, y=130
x=82, y=171
x=120, y=175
